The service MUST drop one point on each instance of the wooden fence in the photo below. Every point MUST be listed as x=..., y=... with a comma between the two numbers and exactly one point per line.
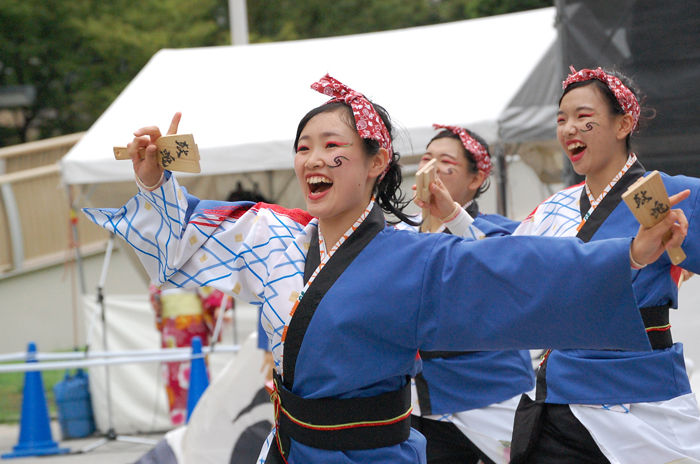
x=35, y=214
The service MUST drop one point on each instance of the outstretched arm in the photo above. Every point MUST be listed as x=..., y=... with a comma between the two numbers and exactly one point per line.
x=529, y=292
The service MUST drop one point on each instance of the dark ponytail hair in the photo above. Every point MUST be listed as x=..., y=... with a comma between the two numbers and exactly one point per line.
x=615, y=107
x=387, y=192
x=471, y=162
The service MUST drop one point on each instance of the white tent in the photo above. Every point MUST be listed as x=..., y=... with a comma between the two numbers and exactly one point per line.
x=243, y=103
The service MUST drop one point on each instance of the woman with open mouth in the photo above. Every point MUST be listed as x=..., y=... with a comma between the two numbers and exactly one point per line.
x=464, y=402
x=347, y=301
x=611, y=406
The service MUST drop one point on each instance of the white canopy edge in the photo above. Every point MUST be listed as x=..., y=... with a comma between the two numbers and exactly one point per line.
x=243, y=103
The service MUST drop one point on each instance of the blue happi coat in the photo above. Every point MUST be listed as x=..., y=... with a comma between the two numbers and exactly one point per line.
x=448, y=293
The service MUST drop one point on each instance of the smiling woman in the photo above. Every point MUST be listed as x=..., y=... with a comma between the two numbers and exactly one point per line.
x=348, y=301
x=594, y=131
x=335, y=196
x=327, y=139
x=605, y=406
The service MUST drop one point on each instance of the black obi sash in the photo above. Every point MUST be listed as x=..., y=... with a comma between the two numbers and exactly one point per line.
x=332, y=423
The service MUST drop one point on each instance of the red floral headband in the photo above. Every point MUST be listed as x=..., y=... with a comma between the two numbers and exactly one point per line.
x=624, y=96
x=478, y=151
x=369, y=123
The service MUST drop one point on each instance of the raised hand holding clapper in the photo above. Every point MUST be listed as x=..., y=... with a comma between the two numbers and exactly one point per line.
x=176, y=152
x=424, y=177
x=648, y=200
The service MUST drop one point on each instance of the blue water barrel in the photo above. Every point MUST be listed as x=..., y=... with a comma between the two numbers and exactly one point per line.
x=73, y=405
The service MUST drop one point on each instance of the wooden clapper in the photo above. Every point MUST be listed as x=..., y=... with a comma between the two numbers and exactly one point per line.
x=175, y=153
x=424, y=177
x=648, y=200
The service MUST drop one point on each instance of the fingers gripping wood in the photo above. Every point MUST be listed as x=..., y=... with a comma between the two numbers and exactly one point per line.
x=424, y=177
x=648, y=200
x=174, y=152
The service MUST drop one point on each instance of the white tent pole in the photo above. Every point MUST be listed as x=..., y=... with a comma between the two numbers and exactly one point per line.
x=238, y=18
x=220, y=319
x=76, y=238
x=103, y=309
x=100, y=296
x=76, y=266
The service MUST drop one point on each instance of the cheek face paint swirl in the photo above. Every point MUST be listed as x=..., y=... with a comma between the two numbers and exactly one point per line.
x=338, y=162
x=589, y=126
x=338, y=159
x=448, y=170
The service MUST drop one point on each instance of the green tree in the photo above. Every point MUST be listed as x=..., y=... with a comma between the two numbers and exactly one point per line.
x=275, y=20
x=80, y=54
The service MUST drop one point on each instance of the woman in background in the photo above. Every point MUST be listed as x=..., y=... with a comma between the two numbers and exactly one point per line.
x=182, y=314
x=464, y=402
x=612, y=406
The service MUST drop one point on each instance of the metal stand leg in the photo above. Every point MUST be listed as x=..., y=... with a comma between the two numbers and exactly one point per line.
x=110, y=435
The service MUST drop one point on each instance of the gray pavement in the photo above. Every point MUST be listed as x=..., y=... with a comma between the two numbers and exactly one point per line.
x=112, y=452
